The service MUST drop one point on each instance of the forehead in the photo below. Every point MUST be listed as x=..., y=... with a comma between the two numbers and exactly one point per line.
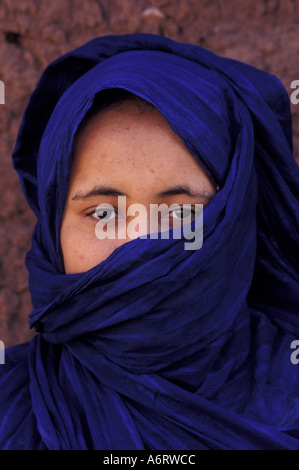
x=135, y=152
x=127, y=134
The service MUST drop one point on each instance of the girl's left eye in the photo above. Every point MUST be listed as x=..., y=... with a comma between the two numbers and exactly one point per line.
x=182, y=213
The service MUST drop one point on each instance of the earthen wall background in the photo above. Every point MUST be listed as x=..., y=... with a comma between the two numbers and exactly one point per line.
x=263, y=33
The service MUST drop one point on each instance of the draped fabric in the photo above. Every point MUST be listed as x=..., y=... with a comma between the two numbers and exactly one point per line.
x=158, y=347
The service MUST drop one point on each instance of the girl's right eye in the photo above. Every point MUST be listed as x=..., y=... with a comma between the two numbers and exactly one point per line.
x=103, y=213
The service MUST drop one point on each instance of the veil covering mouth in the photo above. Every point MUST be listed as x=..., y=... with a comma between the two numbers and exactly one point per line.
x=158, y=347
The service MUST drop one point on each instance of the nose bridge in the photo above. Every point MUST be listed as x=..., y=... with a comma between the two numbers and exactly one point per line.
x=138, y=220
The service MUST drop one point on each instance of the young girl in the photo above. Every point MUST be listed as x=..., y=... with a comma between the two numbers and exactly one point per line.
x=142, y=343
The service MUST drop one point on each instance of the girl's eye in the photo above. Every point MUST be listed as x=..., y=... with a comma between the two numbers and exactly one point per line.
x=182, y=213
x=103, y=213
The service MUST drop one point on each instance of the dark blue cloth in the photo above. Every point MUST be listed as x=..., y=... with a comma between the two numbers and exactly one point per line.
x=159, y=347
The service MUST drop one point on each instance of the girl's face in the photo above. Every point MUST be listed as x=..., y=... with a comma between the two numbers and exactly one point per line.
x=125, y=152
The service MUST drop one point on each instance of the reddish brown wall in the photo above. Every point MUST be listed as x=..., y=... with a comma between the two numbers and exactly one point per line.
x=263, y=33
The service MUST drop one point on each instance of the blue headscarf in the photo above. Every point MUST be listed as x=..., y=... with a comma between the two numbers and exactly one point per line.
x=158, y=347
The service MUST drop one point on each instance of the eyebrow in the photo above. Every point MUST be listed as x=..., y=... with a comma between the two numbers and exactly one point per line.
x=185, y=189
x=101, y=190
x=98, y=190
